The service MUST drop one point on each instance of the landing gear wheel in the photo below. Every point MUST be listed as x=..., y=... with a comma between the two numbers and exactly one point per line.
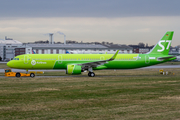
x=18, y=75
x=91, y=74
x=32, y=75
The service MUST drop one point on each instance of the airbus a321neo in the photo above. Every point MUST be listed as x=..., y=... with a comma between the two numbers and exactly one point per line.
x=78, y=63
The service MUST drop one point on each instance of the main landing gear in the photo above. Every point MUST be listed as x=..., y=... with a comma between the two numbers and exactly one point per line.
x=91, y=73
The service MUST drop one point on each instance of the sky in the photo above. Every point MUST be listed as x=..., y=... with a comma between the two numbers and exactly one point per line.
x=117, y=21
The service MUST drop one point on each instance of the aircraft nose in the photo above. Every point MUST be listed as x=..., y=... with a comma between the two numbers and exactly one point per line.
x=9, y=64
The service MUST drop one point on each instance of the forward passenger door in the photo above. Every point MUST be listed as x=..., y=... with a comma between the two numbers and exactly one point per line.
x=26, y=59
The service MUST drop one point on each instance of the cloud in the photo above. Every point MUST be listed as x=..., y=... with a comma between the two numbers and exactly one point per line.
x=89, y=8
x=143, y=30
x=121, y=30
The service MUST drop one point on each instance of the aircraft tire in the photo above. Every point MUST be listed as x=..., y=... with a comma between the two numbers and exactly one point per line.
x=32, y=75
x=91, y=74
x=18, y=74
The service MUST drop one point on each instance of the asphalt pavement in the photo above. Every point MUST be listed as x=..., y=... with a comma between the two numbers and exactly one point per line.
x=150, y=67
x=4, y=62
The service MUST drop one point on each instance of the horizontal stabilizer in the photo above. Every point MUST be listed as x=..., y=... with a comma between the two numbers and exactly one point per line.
x=165, y=58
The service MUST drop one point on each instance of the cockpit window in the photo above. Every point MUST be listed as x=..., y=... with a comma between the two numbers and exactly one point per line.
x=16, y=59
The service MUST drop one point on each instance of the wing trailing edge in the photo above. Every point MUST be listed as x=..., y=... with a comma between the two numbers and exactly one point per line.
x=98, y=63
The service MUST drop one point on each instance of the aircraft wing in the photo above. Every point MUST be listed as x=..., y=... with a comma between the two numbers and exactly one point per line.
x=164, y=58
x=98, y=63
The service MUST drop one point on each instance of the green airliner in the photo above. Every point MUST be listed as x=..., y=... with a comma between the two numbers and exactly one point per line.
x=78, y=63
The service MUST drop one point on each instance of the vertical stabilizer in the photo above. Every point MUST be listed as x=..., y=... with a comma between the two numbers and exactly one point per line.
x=163, y=46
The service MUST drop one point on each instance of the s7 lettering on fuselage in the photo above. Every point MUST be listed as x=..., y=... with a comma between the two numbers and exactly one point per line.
x=78, y=63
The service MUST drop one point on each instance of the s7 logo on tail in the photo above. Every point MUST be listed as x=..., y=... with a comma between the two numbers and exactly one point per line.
x=162, y=46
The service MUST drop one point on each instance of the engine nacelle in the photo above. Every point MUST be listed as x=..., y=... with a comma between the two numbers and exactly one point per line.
x=73, y=69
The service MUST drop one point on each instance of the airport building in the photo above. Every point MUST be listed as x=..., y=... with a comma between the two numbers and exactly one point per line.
x=141, y=50
x=71, y=49
x=7, y=47
x=174, y=51
x=2, y=51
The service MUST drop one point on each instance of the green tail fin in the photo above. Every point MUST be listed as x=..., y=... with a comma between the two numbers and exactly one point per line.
x=163, y=46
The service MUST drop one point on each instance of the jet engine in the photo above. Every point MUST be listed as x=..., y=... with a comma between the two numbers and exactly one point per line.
x=73, y=69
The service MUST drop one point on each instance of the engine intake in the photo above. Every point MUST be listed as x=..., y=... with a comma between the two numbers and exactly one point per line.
x=73, y=69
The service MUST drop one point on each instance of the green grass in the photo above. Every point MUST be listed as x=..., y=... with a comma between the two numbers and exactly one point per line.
x=126, y=94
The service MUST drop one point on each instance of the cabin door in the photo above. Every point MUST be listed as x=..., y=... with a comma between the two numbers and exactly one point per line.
x=60, y=59
x=147, y=60
x=26, y=59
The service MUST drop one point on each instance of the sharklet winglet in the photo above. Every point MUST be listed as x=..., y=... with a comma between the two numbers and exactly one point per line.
x=114, y=56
